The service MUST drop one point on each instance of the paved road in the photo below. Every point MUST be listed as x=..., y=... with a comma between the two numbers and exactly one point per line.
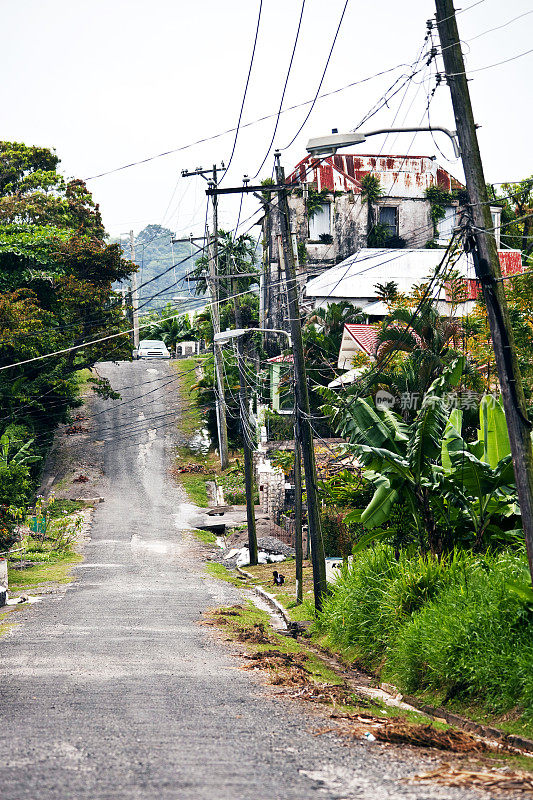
x=114, y=691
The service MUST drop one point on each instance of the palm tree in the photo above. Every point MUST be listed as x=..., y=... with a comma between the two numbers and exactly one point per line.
x=430, y=344
x=235, y=256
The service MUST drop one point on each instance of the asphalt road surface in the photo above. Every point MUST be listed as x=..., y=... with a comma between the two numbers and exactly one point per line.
x=115, y=691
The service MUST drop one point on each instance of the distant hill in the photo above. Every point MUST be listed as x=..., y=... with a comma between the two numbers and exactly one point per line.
x=155, y=255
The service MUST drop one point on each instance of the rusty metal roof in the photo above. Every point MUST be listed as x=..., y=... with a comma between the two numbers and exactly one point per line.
x=403, y=176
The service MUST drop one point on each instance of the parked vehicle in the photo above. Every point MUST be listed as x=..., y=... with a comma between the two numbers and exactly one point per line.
x=151, y=348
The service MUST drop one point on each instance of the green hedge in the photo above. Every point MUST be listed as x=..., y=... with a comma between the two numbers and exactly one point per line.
x=453, y=626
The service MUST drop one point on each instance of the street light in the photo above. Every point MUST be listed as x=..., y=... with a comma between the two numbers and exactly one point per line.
x=328, y=145
x=234, y=333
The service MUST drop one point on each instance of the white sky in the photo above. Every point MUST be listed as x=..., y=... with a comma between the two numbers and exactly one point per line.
x=107, y=82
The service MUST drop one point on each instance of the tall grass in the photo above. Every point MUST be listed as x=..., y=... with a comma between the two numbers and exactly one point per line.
x=453, y=625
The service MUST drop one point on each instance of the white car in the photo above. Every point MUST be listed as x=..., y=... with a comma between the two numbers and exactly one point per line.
x=151, y=348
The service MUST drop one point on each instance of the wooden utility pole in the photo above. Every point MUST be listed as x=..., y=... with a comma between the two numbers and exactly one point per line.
x=247, y=445
x=215, y=314
x=298, y=543
x=134, y=295
x=212, y=282
x=487, y=264
x=301, y=393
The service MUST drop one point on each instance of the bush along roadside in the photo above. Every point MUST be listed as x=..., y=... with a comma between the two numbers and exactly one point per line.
x=44, y=557
x=460, y=627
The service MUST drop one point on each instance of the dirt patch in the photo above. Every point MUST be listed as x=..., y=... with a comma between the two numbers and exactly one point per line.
x=493, y=780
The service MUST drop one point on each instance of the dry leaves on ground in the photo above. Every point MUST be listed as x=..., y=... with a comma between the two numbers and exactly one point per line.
x=286, y=669
x=493, y=780
x=397, y=730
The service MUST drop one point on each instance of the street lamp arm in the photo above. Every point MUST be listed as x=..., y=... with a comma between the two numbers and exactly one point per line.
x=234, y=333
x=328, y=145
x=450, y=134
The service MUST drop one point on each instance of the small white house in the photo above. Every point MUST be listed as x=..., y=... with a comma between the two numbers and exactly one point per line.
x=354, y=280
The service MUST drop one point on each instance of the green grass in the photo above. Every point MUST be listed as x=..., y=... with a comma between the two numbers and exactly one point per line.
x=219, y=571
x=82, y=377
x=195, y=486
x=56, y=572
x=60, y=507
x=450, y=632
x=205, y=536
x=191, y=420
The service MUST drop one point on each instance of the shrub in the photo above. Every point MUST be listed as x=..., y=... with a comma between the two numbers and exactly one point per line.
x=455, y=626
x=339, y=538
x=475, y=639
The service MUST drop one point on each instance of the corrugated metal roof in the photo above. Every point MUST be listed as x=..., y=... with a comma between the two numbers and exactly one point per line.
x=356, y=277
x=400, y=176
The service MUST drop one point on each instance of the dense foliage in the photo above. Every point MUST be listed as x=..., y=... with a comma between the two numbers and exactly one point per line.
x=56, y=276
x=456, y=625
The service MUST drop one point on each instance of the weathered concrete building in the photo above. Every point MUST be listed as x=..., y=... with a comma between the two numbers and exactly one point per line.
x=330, y=215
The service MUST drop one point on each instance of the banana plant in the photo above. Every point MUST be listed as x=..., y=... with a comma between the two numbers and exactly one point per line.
x=402, y=461
x=456, y=491
x=21, y=456
x=478, y=477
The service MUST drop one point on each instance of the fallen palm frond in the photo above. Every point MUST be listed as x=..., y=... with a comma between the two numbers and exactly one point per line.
x=493, y=780
x=396, y=730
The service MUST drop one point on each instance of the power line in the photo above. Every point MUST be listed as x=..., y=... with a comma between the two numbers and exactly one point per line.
x=284, y=90
x=243, y=125
x=321, y=79
x=237, y=129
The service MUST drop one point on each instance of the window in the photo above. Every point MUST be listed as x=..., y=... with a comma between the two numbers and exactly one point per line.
x=446, y=225
x=320, y=222
x=496, y=214
x=388, y=216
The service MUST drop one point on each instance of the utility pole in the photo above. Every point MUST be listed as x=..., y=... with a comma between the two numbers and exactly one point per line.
x=302, y=411
x=134, y=295
x=483, y=246
x=247, y=446
x=298, y=543
x=212, y=282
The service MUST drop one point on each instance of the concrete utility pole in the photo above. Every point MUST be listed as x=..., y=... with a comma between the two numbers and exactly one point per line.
x=301, y=393
x=134, y=295
x=487, y=264
x=212, y=282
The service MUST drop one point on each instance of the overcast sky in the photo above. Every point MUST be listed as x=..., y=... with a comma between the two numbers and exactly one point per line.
x=108, y=82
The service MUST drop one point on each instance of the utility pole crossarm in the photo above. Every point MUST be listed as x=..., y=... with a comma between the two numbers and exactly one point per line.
x=211, y=192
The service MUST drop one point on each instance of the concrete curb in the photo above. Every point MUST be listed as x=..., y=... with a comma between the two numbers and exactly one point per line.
x=396, y=696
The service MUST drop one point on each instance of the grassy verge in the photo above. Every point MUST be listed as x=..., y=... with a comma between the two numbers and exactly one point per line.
x=191, y=420
x=300, y=674
x=195, y=486
x=206, y=537
x=58, y=571
x=373, y=657
x=451, y=633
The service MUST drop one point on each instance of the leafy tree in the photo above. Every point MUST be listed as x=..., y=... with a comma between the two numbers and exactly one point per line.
x=56, y=276
x=516, y=201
